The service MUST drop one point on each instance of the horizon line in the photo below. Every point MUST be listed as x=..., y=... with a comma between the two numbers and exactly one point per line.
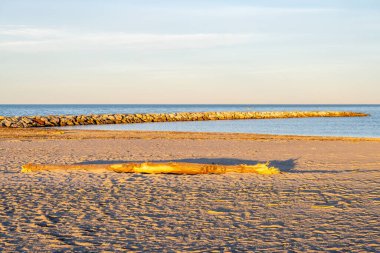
x=188, y=104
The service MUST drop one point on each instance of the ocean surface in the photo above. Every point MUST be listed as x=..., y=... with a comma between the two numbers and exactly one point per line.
x=355, y=127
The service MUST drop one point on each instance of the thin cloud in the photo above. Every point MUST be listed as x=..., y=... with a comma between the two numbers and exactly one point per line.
x=255, y=11
x=27, y=31
x=41, y=39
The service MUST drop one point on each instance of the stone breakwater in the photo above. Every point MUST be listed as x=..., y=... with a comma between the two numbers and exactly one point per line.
x=94, y=119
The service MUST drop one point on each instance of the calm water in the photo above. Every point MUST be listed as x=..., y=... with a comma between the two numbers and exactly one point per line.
x=364, y=127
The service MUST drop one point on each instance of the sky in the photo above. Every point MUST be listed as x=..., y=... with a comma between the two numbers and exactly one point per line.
x=190, y=52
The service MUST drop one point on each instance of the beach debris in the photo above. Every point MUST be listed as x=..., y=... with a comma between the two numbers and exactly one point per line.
x=212, y=212
x=156, y=168
x=100, y=119
x=322, y=206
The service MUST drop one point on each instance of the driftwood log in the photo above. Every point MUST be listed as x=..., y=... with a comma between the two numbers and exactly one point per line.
x=156, y=168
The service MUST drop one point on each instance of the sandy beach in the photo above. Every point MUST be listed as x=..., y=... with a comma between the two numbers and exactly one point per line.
x=327, y=197
x=190, y=126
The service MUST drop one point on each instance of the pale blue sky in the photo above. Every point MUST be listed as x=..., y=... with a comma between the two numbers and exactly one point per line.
x=230, y=51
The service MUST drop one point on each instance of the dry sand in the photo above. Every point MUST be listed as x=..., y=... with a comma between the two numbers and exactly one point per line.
x=327, y=198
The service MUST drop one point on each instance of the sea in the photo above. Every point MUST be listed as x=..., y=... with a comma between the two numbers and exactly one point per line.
x=352, y=127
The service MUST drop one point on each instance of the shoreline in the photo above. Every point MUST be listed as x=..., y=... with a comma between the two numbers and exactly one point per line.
x=58, y=134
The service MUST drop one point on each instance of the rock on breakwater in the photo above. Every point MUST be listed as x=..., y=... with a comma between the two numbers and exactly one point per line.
x=99, y=119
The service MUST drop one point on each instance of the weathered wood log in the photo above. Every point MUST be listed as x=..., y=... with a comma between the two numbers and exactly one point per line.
x=156, y=168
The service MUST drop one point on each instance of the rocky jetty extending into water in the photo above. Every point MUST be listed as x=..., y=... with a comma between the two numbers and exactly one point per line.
x=99, y=119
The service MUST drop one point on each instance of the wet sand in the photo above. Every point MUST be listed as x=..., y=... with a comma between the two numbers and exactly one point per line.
x=327, y=198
